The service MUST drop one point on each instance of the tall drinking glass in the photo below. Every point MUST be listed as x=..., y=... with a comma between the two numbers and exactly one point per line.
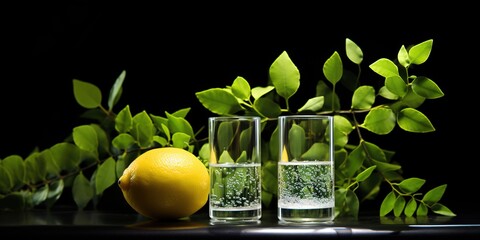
x=306, y=169
x=235, y=174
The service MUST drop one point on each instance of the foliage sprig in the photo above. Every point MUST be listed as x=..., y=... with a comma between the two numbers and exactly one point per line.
x=91, y=159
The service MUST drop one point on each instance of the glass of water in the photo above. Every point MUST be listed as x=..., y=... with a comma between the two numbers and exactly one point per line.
x=235, y=168
x=306, y=190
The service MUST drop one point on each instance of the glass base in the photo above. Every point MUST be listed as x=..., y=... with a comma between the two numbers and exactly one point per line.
x=317, y=215
x=235, y=214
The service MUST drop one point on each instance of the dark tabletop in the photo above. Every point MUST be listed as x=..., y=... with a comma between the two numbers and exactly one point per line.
x=93, y=224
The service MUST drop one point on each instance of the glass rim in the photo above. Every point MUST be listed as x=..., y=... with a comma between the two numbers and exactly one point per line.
x=234, y=118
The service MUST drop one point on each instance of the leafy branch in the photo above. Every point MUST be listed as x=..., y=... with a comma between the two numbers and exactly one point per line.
x=361, y=166
x=94, y=155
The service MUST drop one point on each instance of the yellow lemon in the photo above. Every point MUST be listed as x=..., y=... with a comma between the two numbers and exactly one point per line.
x=165, y=183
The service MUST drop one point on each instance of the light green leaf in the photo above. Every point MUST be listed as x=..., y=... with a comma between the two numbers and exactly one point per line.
x=441, y=209
x=387, y=204
x=333, y=68
x=219, y=101
x=241, y=88
x=411, y=185
x=384, y=92
x=105, y=176
x=178, y=124
x=318, y=151
x=116, y=90
x=399, y=206
x=380, y=121
x=422, y=210
x=123, y=141
x=143, y=129
x=354, y=53
x=384, y=167
x=396, y=85
x=87, y=95
x=426, y=88
x=403, y=57
x=258, y=92
x=411, y=207
x=123, y=120
x=312, y=104
x=225, y=158
x=434, y=195
x=363, y=97
x=419, y=53
x=385, y=68
x=365, y=174
x=412, y=120
x=296, y=140
x=285, y=76
x=85, y=138
x=181, y=140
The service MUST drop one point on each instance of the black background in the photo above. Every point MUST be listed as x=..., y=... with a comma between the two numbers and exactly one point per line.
x=170, y=51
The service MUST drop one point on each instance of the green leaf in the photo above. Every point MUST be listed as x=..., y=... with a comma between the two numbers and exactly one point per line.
x=384, y=92
x=296, y=141
x=412, y=120
x=6, y=180
x=385, y=68
x=333, y=68
x=53, y=170
x=66, y=155
x=419, y=53
x=380, y=121
x=318, y=152
x=219, y=101
x=123, y=141
x=105, y=176
x=426, y=88
x=312, y=104
x=179, y=124
x=387, y=204
x=399, y=206
x=422, y=210
x=285, y=76
x=403, y=57
x=267, y=107
x=363, y=97
x=123, y=120
x=39, y=195
x=82, y=191
x=384, y=167
x=87, y=95
x=365, y=174
x=85, y=138
x=143, y=129
x=434, y=195
x=411, y=207
x=353, y=51
x=224, y=136
x=55, y=190
x=396, y=85
x=442, y=210
x=241, y=88
x=258, y=92
x=354, y=161
x=411, y=185
x=225, y=158
x=16, y=168
x=180, y=140
x=116, y=90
